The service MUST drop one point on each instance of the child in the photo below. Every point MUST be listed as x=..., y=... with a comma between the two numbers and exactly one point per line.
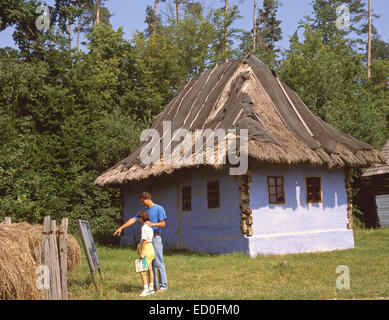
x=145, y=249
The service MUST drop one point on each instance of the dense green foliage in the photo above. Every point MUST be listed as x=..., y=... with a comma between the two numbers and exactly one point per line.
x=65, y=119
x=67, y=115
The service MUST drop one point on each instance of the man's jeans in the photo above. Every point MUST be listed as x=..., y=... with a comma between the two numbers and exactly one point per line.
x=158, y=263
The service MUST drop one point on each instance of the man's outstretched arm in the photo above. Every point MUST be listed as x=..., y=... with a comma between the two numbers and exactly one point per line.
x=130, y=222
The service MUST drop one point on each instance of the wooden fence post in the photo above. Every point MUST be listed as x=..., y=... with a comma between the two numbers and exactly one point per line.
x=54, y=256
x=45, y=252
x=7, y=221
x=55, y=278
x=63, y=249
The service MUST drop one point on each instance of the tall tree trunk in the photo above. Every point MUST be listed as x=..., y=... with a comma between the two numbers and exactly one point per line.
x=70, y=30
x=225, y=29
x=178, y=11
x=78, y=34
x=369, y=45
x=70, y=36
x=98, y=12
x=155, y=16
x=254, y=24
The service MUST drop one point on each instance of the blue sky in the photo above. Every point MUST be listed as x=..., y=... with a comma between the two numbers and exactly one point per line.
x=130, y=15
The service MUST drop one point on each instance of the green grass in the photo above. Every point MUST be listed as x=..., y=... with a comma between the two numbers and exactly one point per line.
x=237, y=276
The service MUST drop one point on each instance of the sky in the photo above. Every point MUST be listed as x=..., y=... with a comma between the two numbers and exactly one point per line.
x=130, y=14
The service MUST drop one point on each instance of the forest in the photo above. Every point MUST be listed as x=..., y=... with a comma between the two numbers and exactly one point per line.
x=69, y=112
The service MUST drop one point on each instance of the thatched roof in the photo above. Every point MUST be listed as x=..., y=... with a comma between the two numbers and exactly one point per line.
x=380, y=168
x=245, y=93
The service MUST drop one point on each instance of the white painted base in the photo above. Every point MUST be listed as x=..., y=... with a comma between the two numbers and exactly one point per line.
x=300, y=242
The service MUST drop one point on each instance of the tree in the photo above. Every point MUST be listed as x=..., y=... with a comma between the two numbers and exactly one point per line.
x=369, y=44
x=378, y=83
x=151, y=23
x=63, y=121
x=155, y=15
x=157, y=73
x=328, y=77
x=20, y=15
x=97, y=12
x=222, y=20
x=178, y=11
x=325, y=17
x=255, y=25
x=90, y=13
x=265, y=33
x=194, y=40
x=225, y=28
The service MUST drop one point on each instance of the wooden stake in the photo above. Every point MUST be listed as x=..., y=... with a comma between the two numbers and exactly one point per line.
x=45, y=252
x=55, y=278
x=63, y=257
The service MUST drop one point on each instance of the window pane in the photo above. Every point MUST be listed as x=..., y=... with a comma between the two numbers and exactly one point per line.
x=213, y=194
x=276, y=189
x=313, y=185
x=213, y=203
x=187, y=198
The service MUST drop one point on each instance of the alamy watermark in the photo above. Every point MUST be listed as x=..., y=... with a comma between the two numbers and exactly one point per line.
x=43, y=21
x=212, y=147
x=343, y=281
x=343, y=17
x=43, y=277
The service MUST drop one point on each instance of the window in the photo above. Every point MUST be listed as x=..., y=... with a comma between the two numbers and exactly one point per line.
x=213, y=194
x=186, y=198
x=275, y=188
x=313, y=187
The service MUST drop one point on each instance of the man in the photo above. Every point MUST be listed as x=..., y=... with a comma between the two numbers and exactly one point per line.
x=157, y=221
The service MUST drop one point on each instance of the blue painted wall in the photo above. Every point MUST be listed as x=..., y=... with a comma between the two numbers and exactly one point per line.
x=278, y=229
x=201, y=229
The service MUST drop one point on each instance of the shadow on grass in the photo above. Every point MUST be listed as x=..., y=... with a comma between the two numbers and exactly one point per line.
x=186, y=252
x=128, y=288
x=166, y=251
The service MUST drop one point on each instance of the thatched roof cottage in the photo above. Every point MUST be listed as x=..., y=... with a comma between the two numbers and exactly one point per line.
x=293, y=197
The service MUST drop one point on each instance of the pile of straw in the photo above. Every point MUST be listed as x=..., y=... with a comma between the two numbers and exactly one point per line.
x=20, y=245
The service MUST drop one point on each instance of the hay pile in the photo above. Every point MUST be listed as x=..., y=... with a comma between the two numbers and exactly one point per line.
x=20, y=255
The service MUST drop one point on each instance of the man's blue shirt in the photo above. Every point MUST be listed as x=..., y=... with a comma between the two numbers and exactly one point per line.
x=157, y=214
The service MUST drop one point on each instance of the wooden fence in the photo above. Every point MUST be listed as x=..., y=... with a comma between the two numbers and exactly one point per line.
x=54, y=250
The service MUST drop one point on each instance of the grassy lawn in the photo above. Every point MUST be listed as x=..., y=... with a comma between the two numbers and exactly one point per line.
x=237, y=276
